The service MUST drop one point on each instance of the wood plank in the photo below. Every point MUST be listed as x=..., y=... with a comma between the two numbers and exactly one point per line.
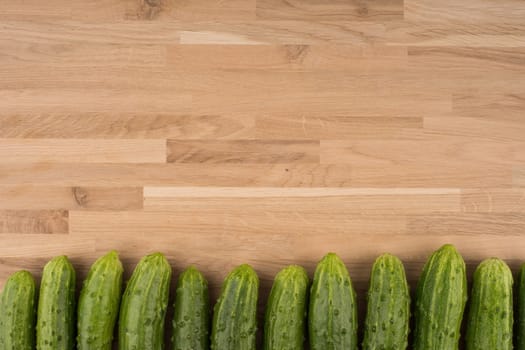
x=454, y=34
x=47, y=246
x=281, y=32
x=454, y=174
x=69, y=52
x=112, y=83
x=503, y=106
x=318, y=10
x=33, y=30
x=243, y=152
x=255, y=175
x=474, y=70
x=228, y=227
x=338, y=127
x=335, y=100
x=104, y=10
x=339, y=93
x=111, y=174
x=356, y=33
x=471, y=11
x=78, y=101
x=292, y=32
x=302, y=200
x=126, y=126
x=57, y=9
x=214, y=10
x=82, y=151
x=360, y=79
x=352, y=58
x=501, y=58
x=431, y=150
x=469, y=224
x=53, y=9
x=327, y=93
x=388, y=77
x=489, y=129
x=34, y=221
x=98, y=11
x=172, y=31
x=67, y=198
x=277, y=192
x=493, y=200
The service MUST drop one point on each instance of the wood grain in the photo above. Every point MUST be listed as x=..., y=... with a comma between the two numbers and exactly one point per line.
x=261, y=131
x=318, y=10
x=34, y=221
x=493, y=200
x=303, y=201
x=338, y=127
x=126, y=126
x=66, y=198
x=82, y=151
x=243, y=152
x=469, y=11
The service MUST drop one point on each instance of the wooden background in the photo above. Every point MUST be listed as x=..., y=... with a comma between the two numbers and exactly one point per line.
x=261, y=131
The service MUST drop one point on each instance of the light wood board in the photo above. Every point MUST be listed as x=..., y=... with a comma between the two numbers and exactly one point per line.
x=266, y=132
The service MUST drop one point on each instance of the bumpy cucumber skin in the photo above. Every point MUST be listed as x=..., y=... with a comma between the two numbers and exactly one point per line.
x=99, y=303
x=440, y=301
x=17, y=312
x=285, y=318
x=332, y=320
x=388, y=309
x=144, y=304
x=520, y=326
x=235, y=313
x=191, y=318
x=56, y=306
x=490, y=319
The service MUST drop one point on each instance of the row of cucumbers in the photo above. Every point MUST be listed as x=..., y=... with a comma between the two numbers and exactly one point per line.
x=326, y=308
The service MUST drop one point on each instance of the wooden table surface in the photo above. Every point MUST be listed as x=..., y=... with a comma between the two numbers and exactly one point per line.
x=261, y=131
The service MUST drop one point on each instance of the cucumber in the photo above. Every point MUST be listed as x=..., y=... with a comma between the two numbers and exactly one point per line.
x=520, y=322
x=285, y=318
x=99, y=303
x=490, y=320
x=144, y=304
x=441, y=296
x=332, y=321
x=56, y=306
x=191, y=317
x=235, y=313
x=17, y=312
x=388, y=309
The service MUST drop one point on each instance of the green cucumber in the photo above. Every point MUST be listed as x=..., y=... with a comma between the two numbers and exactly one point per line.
x=440, y=301
x=235, y=313
x=285, y=318
x=388, y=309
x=17, y=312
x=191, y=317
x=56, y=306
x=144, y=304
x=99, y=303
x=490, y=320
x=520, y=322
x=332, y=320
